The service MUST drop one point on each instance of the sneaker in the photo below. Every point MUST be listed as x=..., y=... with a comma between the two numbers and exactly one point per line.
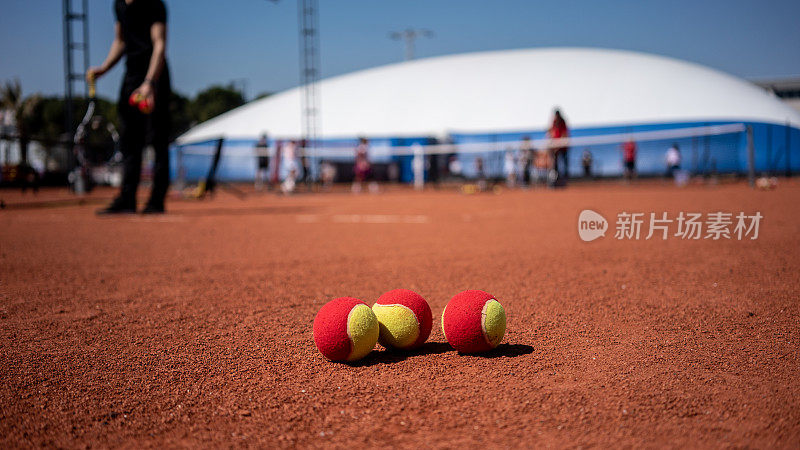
x=118, y=206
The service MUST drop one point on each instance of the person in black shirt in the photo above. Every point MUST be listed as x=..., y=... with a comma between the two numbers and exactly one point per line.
x=141, y=36
x=262, y=157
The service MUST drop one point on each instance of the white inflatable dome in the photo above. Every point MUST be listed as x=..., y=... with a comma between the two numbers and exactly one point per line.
x=509, y=90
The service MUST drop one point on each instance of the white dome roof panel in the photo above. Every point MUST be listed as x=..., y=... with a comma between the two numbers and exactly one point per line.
x=508, y=90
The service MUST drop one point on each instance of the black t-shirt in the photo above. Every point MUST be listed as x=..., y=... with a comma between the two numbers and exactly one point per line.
x=136, y=20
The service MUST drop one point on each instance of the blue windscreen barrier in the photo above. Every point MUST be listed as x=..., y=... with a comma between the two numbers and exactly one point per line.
x=404, y=162
x=239, y=161
x=777, y=150
x=724, y=153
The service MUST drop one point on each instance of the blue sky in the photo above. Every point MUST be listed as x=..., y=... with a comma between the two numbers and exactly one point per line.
x=216, y=41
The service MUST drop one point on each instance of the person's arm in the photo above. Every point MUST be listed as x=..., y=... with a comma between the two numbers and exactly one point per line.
x=114, y=55
x=158, y=34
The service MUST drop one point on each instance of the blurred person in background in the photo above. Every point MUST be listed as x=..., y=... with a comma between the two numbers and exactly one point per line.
x=393, y=172
x=140, y=35
x=629, y=158
x=510, y=169
x=526, y=155
x=327, y=174
x=455, y=168
x=362, y=168
x=559, y=130
x=288, y=185
x=262, y=158
x=586, y=160
x=433, y=169
x=673, y=160
x=481, y=173
x=290, y=166
x=449, y=147
x=542, y=162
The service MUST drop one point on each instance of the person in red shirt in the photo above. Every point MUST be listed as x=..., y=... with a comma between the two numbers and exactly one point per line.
x=559, y=130
x=362, y=168
x=629, y=156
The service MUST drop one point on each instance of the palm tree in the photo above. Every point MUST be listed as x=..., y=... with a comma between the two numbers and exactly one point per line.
x=21, y=109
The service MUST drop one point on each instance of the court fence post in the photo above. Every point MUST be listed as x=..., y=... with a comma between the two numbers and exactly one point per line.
x=788, y=149
x=180, y=182
x=751, y=169
x=418, y=165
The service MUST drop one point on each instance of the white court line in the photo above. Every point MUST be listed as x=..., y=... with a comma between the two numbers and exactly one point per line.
x=416, y=219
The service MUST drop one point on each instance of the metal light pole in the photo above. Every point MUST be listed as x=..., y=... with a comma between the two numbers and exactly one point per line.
x=308, y=23
x=308, y=26
x=70, y=16
x=410, y=35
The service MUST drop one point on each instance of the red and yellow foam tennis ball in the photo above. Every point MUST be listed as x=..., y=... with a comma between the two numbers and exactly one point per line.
x=141, y=102
x=345, y=329
x=134, y=100
x=473, y=321
x=404, y=318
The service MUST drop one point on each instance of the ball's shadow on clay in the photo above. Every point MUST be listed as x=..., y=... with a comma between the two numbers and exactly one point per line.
x=391, y=356
x=503, y=350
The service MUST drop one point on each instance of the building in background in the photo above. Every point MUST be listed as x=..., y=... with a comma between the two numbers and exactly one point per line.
x=500, y=96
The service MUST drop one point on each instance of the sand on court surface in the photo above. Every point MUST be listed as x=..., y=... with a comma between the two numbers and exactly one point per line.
x=194, y=328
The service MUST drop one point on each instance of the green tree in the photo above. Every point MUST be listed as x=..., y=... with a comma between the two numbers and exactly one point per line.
x=22, y=108
x=263, y=95
x=214, y=101
x=180, y=111
x=42, y=118
x=46, y=122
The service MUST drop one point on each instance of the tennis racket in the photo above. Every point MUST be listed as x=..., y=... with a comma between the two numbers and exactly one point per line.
x=79, y=177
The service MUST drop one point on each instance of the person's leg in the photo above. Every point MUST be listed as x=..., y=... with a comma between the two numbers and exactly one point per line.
x=560, y=167
x=160, y=170
x=357, y=179
x=131, y=144
x=557, y=161
x=372, y=184
x=159, y=124
x=306, y=177
x=160, y=174
x=262, y=174
x=526, y=173
x=257, y=180
x=266, y=174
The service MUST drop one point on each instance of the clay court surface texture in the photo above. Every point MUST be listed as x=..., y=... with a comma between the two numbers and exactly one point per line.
x=194, y=329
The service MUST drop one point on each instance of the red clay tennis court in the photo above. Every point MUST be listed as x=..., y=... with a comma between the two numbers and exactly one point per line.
x=194, y=328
